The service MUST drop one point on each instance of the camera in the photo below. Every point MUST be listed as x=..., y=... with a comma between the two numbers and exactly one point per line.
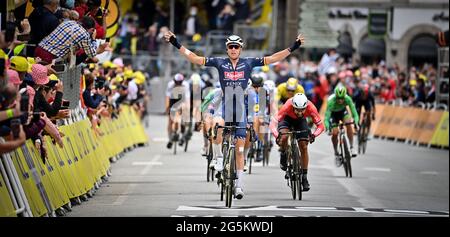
x=65, y=104
x=24, y=102
x=59, y=67
x=36, y=116
x=100, y=82
x=15, y=127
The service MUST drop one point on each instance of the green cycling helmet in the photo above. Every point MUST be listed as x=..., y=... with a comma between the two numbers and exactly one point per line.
x=340, y=92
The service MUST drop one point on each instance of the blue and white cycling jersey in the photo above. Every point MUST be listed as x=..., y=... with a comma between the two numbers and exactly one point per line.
x=233, y=82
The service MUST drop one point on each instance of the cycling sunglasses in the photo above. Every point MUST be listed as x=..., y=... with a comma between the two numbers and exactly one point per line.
x=233, y=46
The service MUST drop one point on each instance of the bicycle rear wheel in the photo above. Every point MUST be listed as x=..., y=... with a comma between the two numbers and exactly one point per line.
x=250, y=159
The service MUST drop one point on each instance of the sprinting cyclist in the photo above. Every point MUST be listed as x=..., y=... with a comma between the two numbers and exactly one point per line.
x=337, y=111
x=292, y=117
x=234, y=73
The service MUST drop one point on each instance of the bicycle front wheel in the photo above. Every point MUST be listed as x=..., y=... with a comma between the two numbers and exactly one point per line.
x=297, y=172
x=347, y=159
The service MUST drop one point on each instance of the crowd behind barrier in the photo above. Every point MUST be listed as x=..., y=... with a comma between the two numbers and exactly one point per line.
x=31, y=186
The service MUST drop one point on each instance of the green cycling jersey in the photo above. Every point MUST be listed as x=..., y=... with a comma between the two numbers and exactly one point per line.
x=333, y=106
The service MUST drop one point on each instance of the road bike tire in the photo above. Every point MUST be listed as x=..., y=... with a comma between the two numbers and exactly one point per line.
x=297, y=171
x=266, y=153
x=208, y=170
x=347, y=159
x=366, y=134
x=222, y=190
x=186, y=145
x=250, y=160
x=341, y=147
x=230, y=169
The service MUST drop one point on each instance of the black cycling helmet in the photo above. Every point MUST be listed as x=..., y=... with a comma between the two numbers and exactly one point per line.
x=257, y=81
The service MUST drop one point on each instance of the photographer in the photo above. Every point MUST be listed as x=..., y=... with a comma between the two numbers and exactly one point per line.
x=92, y=96
x=44, y=93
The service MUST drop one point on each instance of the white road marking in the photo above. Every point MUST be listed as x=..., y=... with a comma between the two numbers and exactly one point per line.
x=146, y=163
x=306, y=208
x=429, y=172
x=377, y=169
x=160, y=139
x=353, y=188
x=130, y=188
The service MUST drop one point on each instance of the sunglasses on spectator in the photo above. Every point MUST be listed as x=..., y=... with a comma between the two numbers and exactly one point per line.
x=233, y=46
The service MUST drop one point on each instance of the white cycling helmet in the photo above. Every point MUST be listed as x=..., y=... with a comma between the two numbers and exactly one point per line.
x=299, y=101
x=178, y=77
x=234, y=39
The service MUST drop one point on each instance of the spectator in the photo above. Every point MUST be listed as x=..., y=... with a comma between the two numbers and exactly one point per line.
x=242, y=11
x=225, y=19
x=67, y=35
x=8, y=95
x=45, y=92
x=213, y=8
x=192, y=24
x=328, y=60
x=43, y=21
x=91, y=98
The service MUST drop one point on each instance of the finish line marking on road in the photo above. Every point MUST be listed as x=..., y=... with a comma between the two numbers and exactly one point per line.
x=377, y=169
x=316, y=209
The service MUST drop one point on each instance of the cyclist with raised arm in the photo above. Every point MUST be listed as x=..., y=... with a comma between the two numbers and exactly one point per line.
x=234, y=73
x=292, y=116
x=177, y=97
x=337, y=111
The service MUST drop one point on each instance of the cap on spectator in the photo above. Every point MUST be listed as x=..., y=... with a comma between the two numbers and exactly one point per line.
x=118, y=62
x=39, y=74
x=118, y=78
x=92, y=66
x=13, y=77
x=31, y=61
x=140, y=77
x=128, y=74
x=342, y=75
x=412, y=82
x=19, y=63
x=349, y=73
x=18, y=49
x=53, y=80
x=357, y=73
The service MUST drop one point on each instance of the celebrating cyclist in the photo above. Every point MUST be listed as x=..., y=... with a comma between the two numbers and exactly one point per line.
x=234, y=73
x=337, y=111
x=292, y=116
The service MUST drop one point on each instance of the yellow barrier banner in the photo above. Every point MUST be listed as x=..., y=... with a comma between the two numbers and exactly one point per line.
x=440, y=136
x=6, y=206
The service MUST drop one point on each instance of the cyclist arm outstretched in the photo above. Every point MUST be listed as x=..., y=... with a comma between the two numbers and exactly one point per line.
x=280, y=55
x=330, y=103
x=189, y=55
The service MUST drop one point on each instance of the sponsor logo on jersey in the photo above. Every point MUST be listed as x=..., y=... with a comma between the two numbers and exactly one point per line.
x=234, y=75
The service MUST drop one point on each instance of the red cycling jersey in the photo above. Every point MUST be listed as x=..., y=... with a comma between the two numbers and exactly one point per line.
x=288, y=110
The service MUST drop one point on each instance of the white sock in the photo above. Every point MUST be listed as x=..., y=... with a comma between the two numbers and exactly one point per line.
x=240, y=179
x=217, y=150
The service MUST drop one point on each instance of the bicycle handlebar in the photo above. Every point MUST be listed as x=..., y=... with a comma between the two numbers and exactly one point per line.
x=296, y=132
x=232, y=128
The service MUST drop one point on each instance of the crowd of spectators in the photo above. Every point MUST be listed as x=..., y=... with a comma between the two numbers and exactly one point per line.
x=32, y=102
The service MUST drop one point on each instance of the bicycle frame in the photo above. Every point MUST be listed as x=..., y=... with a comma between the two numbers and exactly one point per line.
x=344, y=146
x=294, y=163
x=228, y=175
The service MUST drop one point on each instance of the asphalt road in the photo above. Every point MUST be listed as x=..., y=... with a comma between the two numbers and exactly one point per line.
x=391, y=180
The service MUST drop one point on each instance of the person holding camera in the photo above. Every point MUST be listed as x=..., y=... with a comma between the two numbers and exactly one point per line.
x=10, y=124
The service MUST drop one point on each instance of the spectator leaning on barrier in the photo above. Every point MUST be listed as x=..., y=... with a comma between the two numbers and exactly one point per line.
x=67, y=35
x=8, y=94
x=44, y=92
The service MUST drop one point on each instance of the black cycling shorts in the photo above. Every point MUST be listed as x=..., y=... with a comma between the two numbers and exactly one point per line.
x=295, y=125
x=338, y=116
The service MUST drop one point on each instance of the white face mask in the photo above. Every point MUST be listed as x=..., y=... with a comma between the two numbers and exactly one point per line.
x=193, y=11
